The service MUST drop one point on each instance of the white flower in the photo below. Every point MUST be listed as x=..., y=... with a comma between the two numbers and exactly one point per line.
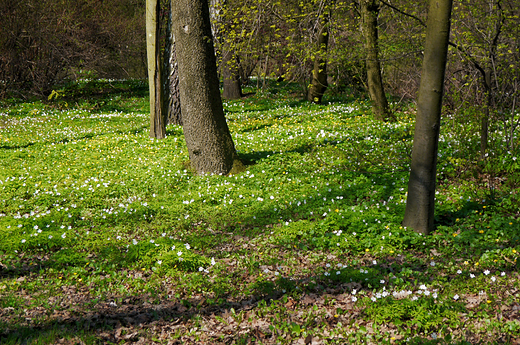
x=201, y=269
x=373, y=299
x=471, y=275
x=50, y=236
x=134, y=241
x=173, y=247
x=382, y=281
x=187, y=245
x=422, y=287
x=503, y=274
x=459, y=271
x=159, y=262
x=63, y=235
x=493, y=279
x=23, y=241
x=213, y=262
x=354, y=298
x=456, y=297
x=486, y=272
x=152, y=241
x=338, y=272
x=179, y=253
x=432, y=263
x=434, y=295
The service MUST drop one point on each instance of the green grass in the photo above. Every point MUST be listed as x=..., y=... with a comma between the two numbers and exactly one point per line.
x=107, y=237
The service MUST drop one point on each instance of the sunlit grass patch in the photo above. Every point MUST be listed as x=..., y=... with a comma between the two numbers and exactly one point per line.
x=92, y=208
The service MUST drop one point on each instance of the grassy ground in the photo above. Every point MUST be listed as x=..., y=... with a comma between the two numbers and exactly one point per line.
x=106, y=237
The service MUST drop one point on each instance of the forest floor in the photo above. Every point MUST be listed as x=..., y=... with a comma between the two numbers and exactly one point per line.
x=107, y=236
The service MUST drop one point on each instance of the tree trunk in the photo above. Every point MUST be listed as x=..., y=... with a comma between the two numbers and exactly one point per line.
x=157, y=114
x=231, y=76
x=319, y=72
x=210, y=146
x=484, y=122
x=174, y=101
x=369, y=13
x=420, y=204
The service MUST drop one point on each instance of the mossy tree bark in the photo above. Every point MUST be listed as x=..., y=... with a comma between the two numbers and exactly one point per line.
x=155, y=78
x=319, y=72
x=369, y=14
x=210, y=146
x=420, y=203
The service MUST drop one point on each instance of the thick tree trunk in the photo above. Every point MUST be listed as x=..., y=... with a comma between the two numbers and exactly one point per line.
x=230, y=76
x=157, y=115
x=420, y=204
x=207, y=135
x=319, y=72
x=369, y=13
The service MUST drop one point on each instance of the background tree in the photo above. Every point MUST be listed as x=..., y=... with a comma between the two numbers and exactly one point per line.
x=210, y=146
x=158, y=110
x=319, y=75
x=45, y=43
x=369, y=15
x=420, y=203
x=483, y=52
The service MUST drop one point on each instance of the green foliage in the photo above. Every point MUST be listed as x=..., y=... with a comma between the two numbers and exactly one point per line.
x=306, y=239
x=424, y=314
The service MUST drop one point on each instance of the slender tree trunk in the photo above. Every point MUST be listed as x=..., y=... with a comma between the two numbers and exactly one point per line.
x=420, y=204
x=157, y=116
x=207, y=135
x=319, y=72
x=174, y=101
x=231, y=76
x=369, y=13
x=484, y=121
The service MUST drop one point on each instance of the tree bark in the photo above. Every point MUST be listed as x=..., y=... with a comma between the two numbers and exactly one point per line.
x=210, y=146
x=484, y=121
x=231, y=76
x=420, y=204
x=174, y=102
x=369, y=13
x=319, y=72
x=153, y=52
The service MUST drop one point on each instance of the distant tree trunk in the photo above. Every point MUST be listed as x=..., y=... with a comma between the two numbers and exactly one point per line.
x=231, y=76
x=157, y=109
x=319, y=72
x=369, y=13
x=484, y=122
x=420, y=204
x=210, y=146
